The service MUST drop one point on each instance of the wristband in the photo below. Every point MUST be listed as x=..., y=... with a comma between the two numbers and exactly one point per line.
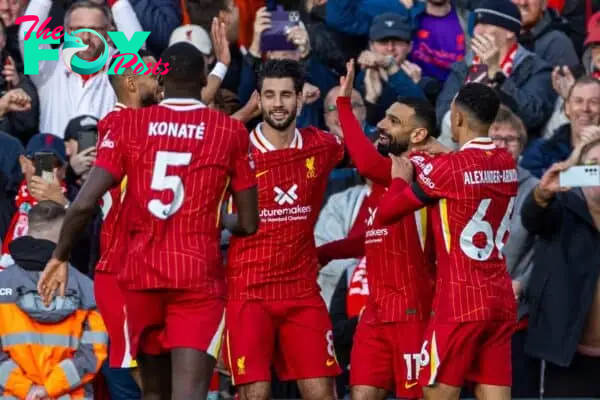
x=219, y=70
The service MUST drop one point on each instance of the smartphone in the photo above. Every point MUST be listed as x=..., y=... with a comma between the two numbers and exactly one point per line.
x=87, y=139
x=275, y=38
x=44, y=166
x=580, y=176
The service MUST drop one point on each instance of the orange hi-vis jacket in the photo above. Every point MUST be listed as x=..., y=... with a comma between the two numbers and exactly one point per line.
x=60, y=347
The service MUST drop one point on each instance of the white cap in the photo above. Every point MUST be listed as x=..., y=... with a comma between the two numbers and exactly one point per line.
x=192, y=34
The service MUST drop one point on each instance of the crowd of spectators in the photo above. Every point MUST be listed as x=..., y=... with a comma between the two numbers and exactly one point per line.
x=541, y=56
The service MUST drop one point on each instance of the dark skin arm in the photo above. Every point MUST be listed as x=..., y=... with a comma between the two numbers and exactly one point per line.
x=78, y=216
x=245, y=221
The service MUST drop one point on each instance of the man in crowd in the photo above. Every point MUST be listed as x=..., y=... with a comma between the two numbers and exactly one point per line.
x=520, y=78
x=70, y=338
x=35, y=188
x=63, y=93
x=469, y=338
x=582, y=108
x=542, y=33
x=275, y=314
x=133, y=91
x=386, y=355
x=173, y=259
x=384, y=76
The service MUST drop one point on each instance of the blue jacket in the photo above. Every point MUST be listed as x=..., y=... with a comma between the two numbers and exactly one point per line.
x=542, y=153
x=354, y=16
x=160, y=18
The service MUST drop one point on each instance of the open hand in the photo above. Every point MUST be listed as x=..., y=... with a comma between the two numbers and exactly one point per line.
x=218, y=34
x=54, y=277
x=485, y=47
x=402, y=168
x=347, y=82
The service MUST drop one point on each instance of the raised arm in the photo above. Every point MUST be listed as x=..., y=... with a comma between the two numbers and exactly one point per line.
x=367, y=160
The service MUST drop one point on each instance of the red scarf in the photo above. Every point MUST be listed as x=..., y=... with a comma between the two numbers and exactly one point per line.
x=478, y=72
x=596, y=74
x=20, y=221
x=358, y=290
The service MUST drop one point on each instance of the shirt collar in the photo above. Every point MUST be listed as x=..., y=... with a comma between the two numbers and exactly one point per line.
x=182, y=104
x=259, y=141
x=481, y=143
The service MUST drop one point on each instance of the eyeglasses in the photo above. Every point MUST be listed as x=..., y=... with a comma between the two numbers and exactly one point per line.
x=507, y=140
x=332, y=107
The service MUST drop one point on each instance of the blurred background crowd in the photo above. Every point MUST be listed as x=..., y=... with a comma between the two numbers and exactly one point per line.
x=548, y=83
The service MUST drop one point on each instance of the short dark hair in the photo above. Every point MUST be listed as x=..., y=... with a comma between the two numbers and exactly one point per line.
x=424, y=113
x=45, y=214
x=480, y=101
x=114, y=78
x=186, y=67
x=282, y=69
x=584, y=80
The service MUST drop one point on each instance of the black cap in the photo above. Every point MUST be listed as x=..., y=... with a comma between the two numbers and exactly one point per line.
x=83, y=123
x=392, y=26
x=502, y=13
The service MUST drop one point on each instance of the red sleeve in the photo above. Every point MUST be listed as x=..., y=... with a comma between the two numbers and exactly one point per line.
x=242, y=176
x=350, y=247
x=398, y=201
x=366, y=158
x=111, y=151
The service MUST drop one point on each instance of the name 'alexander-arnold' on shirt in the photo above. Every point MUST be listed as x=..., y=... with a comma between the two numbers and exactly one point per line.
x=490, y=177
x=177, y=130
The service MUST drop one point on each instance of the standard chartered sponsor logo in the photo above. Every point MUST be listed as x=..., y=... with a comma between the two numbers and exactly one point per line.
x=283, y=197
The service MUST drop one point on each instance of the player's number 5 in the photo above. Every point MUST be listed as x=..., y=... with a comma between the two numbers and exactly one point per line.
x=478, y=225
x=161, y=181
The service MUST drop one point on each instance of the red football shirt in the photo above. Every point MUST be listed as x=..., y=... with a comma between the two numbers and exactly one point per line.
x=400, y=256
x=476, y=188
x=110, y=204
x=179, y=158
x=280, y=260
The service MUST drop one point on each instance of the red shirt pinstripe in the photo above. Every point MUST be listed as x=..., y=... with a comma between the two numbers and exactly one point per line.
x=179, y=158
x=400, y=262
x=110, y=253
x=280, y=260
x=476, y=187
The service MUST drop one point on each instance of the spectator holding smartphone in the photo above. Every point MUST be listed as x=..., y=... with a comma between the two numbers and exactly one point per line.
x=34, y=188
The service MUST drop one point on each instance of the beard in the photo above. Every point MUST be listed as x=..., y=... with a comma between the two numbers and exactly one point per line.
x=390, y=145
x=279, y=125
x=148, y=99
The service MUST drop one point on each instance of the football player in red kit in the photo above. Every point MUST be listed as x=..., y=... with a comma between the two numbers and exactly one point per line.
x=469, y=338
x=133, y=91
x=180, y=158
x=386, y=352
x=275, y=314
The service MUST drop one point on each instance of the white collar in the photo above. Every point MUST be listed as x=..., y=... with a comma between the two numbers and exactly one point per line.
x=182, y=104
x=481, y=143
x=259, y=141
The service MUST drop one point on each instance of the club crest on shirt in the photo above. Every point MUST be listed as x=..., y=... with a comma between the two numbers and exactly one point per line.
x=241, y=365
x=310, y=168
